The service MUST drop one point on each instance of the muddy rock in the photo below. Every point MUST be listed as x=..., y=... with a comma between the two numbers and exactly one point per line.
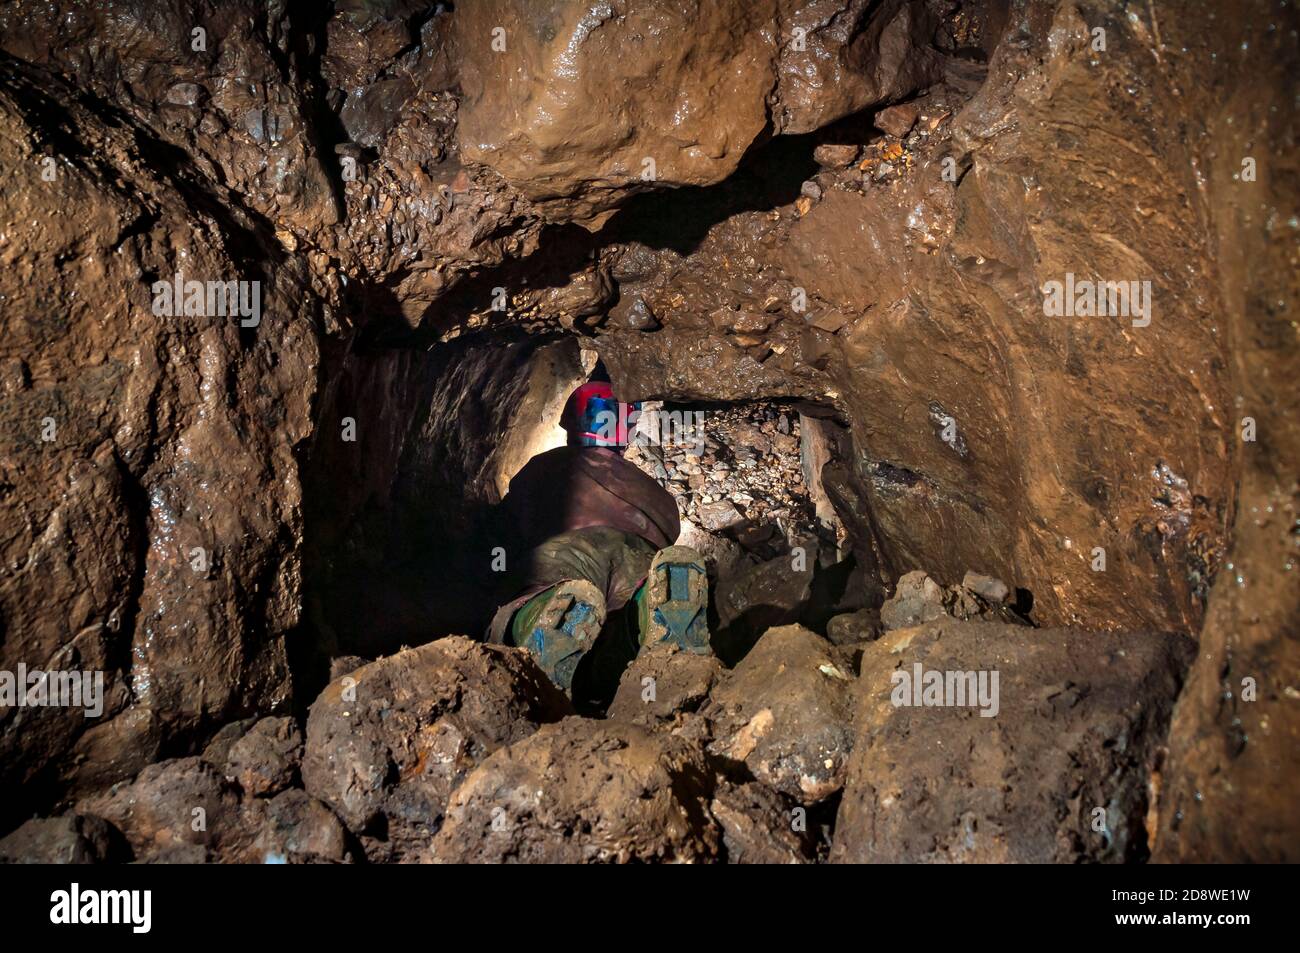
x=662, y=684
x=584, y=791
x=176, y=495
x=760, y=826
x=70, y=839
x=179, y=803
x=566, y=115
x=217, y=751
x=721, y=514
x=854, y=54
x=388, y=744
x=566, y=102
x=835, y=155
x=917, y=598
x=850, y=628
x=135, y=544
x=265, y=760
x=759, y=596
x=297, y=828
x=785, y=711
x=1076, y=726
x=633, y=314
x=898, y=120
x=233, y=97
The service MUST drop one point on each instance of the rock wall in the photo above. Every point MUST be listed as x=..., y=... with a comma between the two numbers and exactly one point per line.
x=151, y=493
x=855, y=207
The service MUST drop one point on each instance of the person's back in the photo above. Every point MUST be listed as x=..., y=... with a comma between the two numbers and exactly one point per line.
x=589, y=523
x=572, y=488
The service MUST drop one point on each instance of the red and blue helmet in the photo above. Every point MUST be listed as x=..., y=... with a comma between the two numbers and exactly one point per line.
x=593, y=417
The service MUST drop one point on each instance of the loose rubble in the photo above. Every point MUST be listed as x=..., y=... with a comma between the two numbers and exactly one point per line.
x=458, y=751
x=742, y=481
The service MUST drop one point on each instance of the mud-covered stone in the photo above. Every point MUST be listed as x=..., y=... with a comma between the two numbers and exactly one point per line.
x=835, y=155
x=69, y=839
x=184, y=811
x=850, y=628
x=1076, y=720
x=175, y=804
x=297, y=828
x=786, y=711
x=662, y=684
x=265, y=760
x=567, y=101
x=758, y=596
x=136, y=542
x=217, y=751
x=584, y=791
x=568, y=116
x=388, y=744
x=760, y=826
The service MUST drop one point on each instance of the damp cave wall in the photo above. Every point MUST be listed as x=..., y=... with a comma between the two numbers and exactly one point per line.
x=191, y=430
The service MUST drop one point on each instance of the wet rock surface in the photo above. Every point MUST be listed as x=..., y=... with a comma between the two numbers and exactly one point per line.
x=388, y=744
x=785, y=711
x=584, y=791
x=134, y=545
x=852, y=214
x=1061, y=770
x=664, y=684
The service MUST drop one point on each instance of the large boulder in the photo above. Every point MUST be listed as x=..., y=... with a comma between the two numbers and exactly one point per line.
x=387, y=744
x=786, y=711
x=584, y=791
x=1013, y=745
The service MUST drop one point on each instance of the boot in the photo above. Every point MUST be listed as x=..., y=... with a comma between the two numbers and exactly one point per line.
x=559, y=626
x=676, y=600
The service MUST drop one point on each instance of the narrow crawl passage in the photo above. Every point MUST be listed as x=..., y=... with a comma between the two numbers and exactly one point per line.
x=747, y=481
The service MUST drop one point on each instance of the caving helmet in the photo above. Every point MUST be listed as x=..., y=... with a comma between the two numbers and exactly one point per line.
x=594, y=417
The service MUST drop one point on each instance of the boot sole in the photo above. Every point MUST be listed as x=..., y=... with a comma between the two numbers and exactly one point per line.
x=677, y=597
x=566, y=629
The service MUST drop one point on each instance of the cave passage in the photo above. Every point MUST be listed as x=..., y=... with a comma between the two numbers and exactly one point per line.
x=817, y=242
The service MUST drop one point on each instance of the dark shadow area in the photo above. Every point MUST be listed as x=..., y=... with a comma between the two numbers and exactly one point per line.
x=401, y=523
